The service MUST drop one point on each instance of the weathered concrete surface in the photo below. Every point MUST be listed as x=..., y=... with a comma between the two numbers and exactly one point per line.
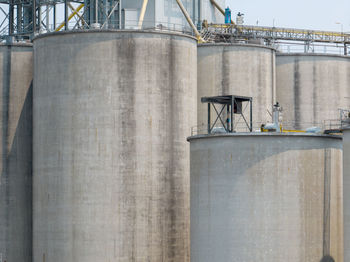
x=311, y=88
x=111, y=163
x=346, y=192
x=267, y=198
x=16, y=153
x=236, y=69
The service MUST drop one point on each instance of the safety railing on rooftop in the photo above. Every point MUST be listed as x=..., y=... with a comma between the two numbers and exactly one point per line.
x=287, y=126
x=148, y=25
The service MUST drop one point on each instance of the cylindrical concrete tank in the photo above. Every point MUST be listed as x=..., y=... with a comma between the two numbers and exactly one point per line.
x=346, y=192
x=16, y=63
x=312, y=88
x=111, y=163
x=266, y=197
x=237, y=69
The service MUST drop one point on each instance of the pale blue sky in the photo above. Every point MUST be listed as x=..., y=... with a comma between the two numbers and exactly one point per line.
x=309, y=14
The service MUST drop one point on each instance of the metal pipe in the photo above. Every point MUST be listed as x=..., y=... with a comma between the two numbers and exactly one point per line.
x=200, y=13
x=233, y=115
x=251, y=115
x=214, y=3
x=11, y=17
x=54, y=16
x=209, y=124
x=142, y=14
x=120, y=14
x=34, y=16
x=96, y=11
x=189, y=20
x=65, y=15
x=194, y=11
x=228, y=117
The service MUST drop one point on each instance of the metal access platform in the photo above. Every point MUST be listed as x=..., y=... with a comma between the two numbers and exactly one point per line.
x=232, y=32
x=231, y=105
x=335, y=126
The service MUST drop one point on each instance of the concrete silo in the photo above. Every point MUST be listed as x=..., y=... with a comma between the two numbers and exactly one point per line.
x=16, y=62
x=237, y=69
x=266, y=197
x=111, y=163
x=312, y=88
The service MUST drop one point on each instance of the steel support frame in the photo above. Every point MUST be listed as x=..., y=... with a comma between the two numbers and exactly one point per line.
x=228, y=125
x=26, y=18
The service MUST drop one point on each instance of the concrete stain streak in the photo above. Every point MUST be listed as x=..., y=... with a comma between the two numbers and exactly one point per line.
x=314, y=93
x=327, y=203
x=297, y=94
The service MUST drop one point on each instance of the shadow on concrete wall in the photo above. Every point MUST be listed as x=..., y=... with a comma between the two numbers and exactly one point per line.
x=16, y=184
x=327, y=259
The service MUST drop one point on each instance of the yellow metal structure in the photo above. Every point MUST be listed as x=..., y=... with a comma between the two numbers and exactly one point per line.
x=75, y=12
x=142, y=14
x=262, y=129
x=293, y=131
x=189, y=20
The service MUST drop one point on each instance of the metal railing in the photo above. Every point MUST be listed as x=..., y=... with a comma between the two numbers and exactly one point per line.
x=335, y=125
x=287, y=126
x=77, y=22
x=238, y=128
x=312, y=41
x=279, y=33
